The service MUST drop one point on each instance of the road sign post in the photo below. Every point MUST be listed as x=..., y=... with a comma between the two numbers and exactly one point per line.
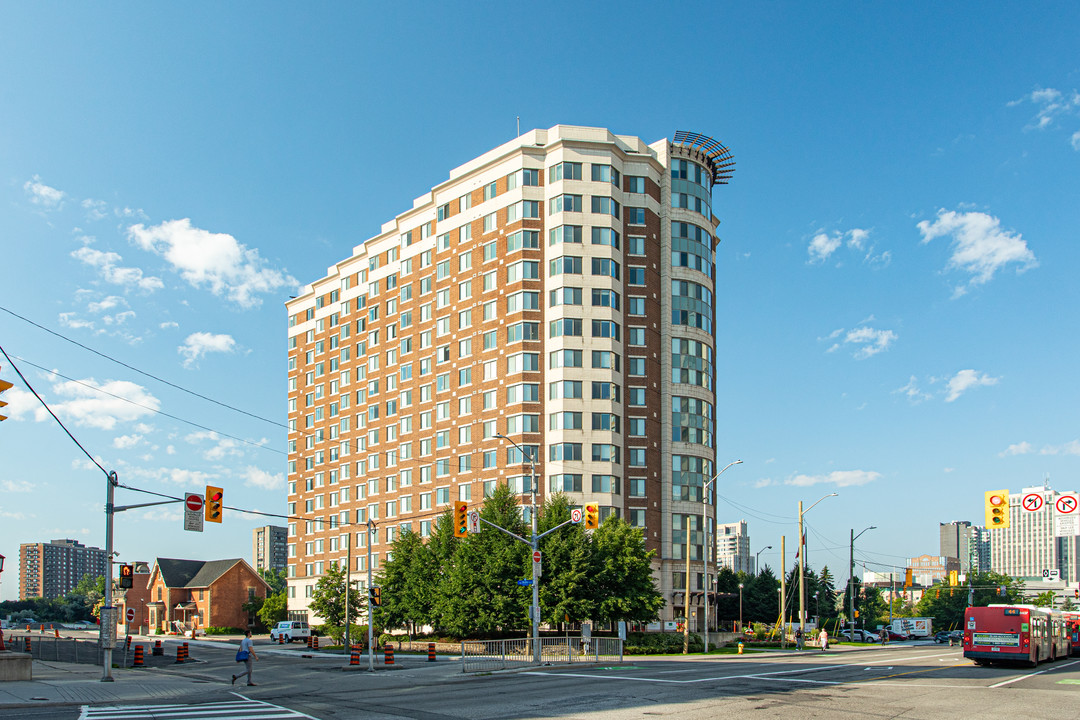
x=193, y=512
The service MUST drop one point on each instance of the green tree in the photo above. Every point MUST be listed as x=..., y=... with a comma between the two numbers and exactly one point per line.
x=328, y=601
x=276, y=579
x=946, y=605
x=481, y=595
x=624, y=587
x=1044, y=599
x=443, y=548
x=566, y=588
x=727, y=601
x=761, y=598
x=1068, y=605
x=274, y=609
x=827, y=594
x=408, y=583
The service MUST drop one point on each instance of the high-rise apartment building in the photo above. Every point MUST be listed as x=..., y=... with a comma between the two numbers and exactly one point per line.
x=269, y=548
x=1028, y=546
x=557, y=290
x=733, y=547
x=53, y=569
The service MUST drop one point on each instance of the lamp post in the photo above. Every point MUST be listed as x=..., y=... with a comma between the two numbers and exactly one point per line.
x=851, y=577
x=802, y=564
x=757, y=558
x=534, y=611
x=705, y=546
x=740, y=608
x=817, y=611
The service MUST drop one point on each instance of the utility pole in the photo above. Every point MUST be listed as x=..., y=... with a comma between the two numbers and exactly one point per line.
x=783, y=591
x=686, y=597
x=851, y=584
x=802, y=564
x=370, y=618
x=108, y=633
x=348, y=583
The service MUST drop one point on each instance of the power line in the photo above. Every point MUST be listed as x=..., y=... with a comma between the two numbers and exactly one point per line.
x=147, y=407
x=46, y=406
x=142, y=372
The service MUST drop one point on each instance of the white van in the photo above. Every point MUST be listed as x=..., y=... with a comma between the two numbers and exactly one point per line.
x=290, y=630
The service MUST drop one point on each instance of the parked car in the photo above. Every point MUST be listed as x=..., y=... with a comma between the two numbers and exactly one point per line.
x=860, y=635
x=290, y=630
x=953, y=636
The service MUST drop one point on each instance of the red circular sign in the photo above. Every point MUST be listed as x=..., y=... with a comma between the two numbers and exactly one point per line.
x=194, y=503
x=1066, y=505
x=1032, y=502
x=536, y=556
x=130, y=614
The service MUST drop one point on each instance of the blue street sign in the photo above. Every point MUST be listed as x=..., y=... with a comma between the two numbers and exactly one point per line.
x=524, y=583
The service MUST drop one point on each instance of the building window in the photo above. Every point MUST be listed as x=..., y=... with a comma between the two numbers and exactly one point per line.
x=564, y=171
x=565, y=203
x=564, y=234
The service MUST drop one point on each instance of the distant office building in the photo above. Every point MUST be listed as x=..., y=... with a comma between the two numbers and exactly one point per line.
x=733, y=547
x=268, y=547
x=929, y=569
x=1028, y=547
x=956, y=542
x=53, y=569
x=979, y=542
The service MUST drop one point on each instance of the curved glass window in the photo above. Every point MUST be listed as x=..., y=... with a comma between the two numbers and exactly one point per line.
x=691, y=363
x=688, y=476
x=692, y=421
x=691, y=305
x=691, y=247
x=690, y=170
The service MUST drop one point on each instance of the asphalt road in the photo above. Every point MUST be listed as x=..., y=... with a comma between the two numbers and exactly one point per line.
x=920, y=681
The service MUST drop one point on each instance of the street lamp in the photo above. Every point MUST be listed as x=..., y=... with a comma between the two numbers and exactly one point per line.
x=705, y=550
x=802, y=565
x=534, y=611
x=817, y=611
x=740, y=608
x=757, y=558
x=851, y=577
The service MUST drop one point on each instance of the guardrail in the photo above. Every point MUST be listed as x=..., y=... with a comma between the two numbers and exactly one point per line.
x=490, y=655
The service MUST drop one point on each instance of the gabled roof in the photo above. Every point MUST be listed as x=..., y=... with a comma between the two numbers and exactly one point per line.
x=195, y=573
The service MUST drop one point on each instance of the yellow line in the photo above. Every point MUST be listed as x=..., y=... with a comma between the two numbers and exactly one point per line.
x=912, y=672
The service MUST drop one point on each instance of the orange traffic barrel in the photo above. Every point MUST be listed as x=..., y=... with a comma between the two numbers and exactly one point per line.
x=388, y=654
x=158, y=650
x=354, y=656
x=27, y=645
x=309, y=640
x=431, y=652
x=138, y=662
x=315, y=642
x=56, y=631
x=280, y=639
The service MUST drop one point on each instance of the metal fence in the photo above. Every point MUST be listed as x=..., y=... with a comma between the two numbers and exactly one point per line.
x=76, y=650
x=489, y=655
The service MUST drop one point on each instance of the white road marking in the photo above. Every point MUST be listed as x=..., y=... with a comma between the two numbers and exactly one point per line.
x=243, y=709
x=1039, y=672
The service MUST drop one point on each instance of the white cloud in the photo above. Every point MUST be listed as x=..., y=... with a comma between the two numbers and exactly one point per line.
x=95, y=209
x=261, y=479
x=1075, y=140
x=912, y=391
x=1070, y=448
x=16, y=486
x=870, y=340
x=980, y=246
x=71, y=320
x=838, y=478
x=106, y=263
x=126, y=442
x=109, y=303
x=1051, y=105
x=170, y=325
x=85, y=406
x=965, y=380
x=163, y=515
x=42, y=195
x=822, y=246
x=199, y=344
x=1021, y=448
x=215, y=260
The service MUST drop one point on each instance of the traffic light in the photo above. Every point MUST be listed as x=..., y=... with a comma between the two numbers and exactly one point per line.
x=127, y=576
x=953, y=578
x=4, y=385
x=856, y=614
x=461, y=518
x=907, y=578
x=1001, y=591
x=997, y=509
x=592, y=516
x=1076, y=594
x=375, y=596
x=213, y=504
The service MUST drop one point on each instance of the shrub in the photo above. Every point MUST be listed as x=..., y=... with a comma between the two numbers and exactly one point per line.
x=659, y=643
x=215, y=630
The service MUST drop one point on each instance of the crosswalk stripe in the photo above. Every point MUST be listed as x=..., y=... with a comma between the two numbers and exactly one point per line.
x=229, y=709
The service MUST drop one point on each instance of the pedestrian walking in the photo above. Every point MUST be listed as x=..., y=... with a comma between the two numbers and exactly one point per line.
x=799, y=639
x=824, y=639
x=246, y=654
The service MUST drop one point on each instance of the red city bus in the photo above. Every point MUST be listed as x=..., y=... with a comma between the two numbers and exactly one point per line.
x=1014, y=633
x=1072, y=628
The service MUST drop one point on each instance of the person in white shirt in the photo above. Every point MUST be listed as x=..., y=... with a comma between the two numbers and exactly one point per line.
x=247, y=645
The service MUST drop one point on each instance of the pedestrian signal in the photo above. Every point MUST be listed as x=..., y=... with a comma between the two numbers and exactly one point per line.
x=997, y=509
x=127, y=576
x=1001, y=591
x=461, y=518
x=592, y=516
x=213, y=507
x=375, y=596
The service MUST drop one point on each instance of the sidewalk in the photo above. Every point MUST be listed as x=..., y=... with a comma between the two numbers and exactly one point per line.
x=77, y=684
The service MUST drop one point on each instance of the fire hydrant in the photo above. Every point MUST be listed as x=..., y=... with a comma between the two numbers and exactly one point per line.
x=740, y=647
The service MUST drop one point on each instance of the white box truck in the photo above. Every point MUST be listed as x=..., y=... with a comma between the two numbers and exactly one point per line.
x=919, y=627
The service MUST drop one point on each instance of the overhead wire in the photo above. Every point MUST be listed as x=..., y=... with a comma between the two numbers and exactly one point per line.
x=148, y=408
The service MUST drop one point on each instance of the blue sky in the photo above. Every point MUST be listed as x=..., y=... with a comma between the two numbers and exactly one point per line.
x=896, y=300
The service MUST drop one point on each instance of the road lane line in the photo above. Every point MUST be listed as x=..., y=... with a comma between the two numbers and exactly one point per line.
x=1040, y=672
